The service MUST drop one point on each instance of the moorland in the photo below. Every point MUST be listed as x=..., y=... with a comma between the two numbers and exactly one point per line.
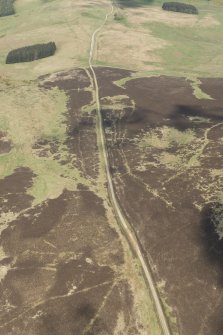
x=67, y=264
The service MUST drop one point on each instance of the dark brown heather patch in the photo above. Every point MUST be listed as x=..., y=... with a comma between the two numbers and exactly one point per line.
x=5, y=144
x=63, y=261
x=81, y=136
x=13, y=189
x=62, y=256
x=161, y=202
x=106, y=77
x=81, y=274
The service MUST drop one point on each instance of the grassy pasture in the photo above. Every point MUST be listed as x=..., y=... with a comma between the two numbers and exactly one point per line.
x=192, y=50
x=161, y=42
x=70, y=24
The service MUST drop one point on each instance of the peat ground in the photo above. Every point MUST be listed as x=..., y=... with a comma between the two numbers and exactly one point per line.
x=165, y=150
x=62, y=262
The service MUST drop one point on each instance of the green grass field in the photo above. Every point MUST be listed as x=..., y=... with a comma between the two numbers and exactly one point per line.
x=195, y=50
x=69, y=24
x=193, y=46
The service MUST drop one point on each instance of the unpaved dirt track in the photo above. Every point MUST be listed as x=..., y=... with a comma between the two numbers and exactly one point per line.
x=127, y=230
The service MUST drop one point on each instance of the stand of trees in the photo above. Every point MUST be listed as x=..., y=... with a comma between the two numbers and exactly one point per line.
x=6, y=7
x=31, y=53
x=180, y=7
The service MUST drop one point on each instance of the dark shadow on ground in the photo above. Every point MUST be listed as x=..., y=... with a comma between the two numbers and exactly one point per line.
x=213, y=247
x=180, y=115
x=178, y=118
x=213, y=244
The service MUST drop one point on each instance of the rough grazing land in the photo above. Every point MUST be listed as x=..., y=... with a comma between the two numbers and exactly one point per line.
x=165, y=150
x=154, y=41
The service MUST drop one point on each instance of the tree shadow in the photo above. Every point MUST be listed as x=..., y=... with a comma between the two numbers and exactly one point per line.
x=213, y=244
x=180, y=116
x=213, y=247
